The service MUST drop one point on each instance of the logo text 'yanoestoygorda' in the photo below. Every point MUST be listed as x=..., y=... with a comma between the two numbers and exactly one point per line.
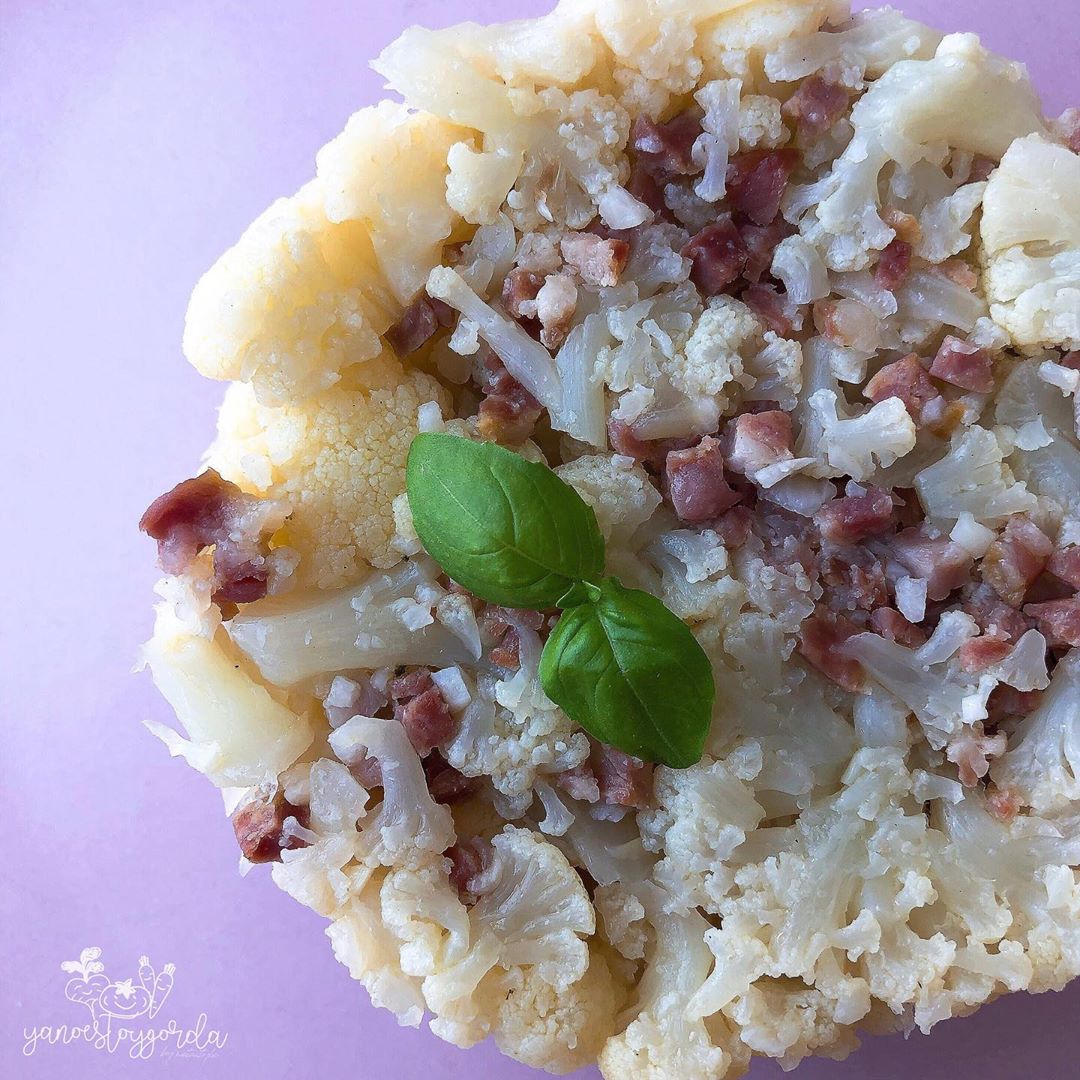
x=114, y=1008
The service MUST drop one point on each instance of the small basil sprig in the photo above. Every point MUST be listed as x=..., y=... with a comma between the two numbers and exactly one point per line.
x=618, y=662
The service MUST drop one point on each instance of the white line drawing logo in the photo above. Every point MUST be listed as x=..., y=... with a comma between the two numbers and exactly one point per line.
x=114, y=1005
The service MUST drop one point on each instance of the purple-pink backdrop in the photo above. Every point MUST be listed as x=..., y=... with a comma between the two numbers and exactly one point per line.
x=137, y=140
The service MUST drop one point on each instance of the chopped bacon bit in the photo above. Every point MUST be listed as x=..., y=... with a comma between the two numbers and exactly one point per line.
x=418, y=323
x=855, y=517
x=1047, y=587
x=821, y=638
x=411, y=684
x=964, y=365
x=756, y=182
x=733, y=528
x=854, y=581
x=1015, y=559
x=768, y=305
x=520, y=289
x=760, y=243
x=666, y=149
x=906, y=227
x=623, y=780
x=259, y=828
x=958, y=271
x=971, y=752
x=816, y=105
x=427, y=720
x=757, y=440
x=1065, y=564
x=1059, y=621
x=507, y=654
x=468, y=859
x=981, y=168
x=652, y=452
x=208, y=511
x=445, y=783
x=977, y=654
x=905, y=379
x=580, y=783
x=994, y=616
x=508, y=412
x=943, y=564
x=1005, y=703
x=1003, y=803
x=894, y=265
x=696, y=484
x=891, y=625
x=1071, y=360
x=1067, y=128
x=598, y=262
x=718, y=255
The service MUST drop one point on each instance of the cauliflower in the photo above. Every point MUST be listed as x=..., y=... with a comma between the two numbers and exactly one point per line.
x=338, y=458
x=240, y=736
x=851, y=445
x=1031, y=243
x=724, y=337
x=900, y=119
x=972, y=478
x=297, y=301
x=1043, y=762
x=619, y=491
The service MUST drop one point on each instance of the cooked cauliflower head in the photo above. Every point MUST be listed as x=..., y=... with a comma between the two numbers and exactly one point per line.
x=791, y=298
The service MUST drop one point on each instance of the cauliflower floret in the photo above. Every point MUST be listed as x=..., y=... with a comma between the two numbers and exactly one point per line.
x=972, y=478
x=900, y=119
x=724, y=339
x=1043, y=762
x=408, y=821
x=850, y=446
x=942, y=223
x=702, y=815
x=338, y=458
x=1031, y=243
x=239, y=735
x=619, y=491
x=761, y=123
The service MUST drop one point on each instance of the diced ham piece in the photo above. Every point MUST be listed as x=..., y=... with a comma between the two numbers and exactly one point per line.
x=734, y=527
x=508, y=412
x=645, y=188
x=891, y=625
x=853, y=580
x=580, y=783
x=756, y=182
x=958, y=272
x=816, y=105
x=666, y=150
x=769, y=306
x=445, y=783
x=977, y=654
x=971, y=752
x=422, y=711
x=507, y=653
x=852, y=518
x=1003, y=803
x=696, y=484
x=941, y=562
x=718, y=256
x=964, y=365
x=993, y=615
x=757, y=440
x=1015, y=559
x=1065, y=564
x=208, y=511
x=1067, y=128
x=468, y=860
x=761, y=243
x=597, y=261
x=259, y=828
x=905, y=379
x=894, y=265
x=556, y=303
x=1005, y=703
x=1059, y=621
x=623, y=780
x=1071, y=360
x=419, y=322
x=821, y=641
x=519, y=292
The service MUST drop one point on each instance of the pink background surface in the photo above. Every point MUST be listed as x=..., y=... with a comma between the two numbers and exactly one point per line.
x=137, y=140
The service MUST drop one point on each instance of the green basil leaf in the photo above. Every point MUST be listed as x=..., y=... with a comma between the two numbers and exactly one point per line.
x=632, y=675
x=508, y=530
